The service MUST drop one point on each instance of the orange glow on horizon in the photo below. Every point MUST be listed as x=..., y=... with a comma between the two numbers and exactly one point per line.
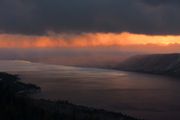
x=85, y=40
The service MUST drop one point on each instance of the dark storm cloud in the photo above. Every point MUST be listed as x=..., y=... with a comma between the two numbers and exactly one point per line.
x=137, y=16
x=161, y=2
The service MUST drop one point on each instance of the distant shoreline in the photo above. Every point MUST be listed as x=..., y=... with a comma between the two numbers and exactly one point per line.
x=157, y=64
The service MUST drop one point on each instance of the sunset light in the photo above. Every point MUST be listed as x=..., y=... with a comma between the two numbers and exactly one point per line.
x=85, y=40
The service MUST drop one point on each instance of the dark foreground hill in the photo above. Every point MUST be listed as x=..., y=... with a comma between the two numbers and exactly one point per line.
x=165, y=64
x=16, y=105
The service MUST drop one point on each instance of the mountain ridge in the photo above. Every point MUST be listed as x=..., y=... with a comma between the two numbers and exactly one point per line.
x=165, y=64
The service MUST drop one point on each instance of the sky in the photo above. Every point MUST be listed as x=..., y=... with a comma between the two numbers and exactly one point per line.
x=129, y=25
x=85, y=40
x=77, y=16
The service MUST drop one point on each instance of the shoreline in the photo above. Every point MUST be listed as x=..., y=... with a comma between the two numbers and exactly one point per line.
x=52, y=109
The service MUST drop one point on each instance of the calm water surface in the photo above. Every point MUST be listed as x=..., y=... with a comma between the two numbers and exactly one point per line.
x=145, y=96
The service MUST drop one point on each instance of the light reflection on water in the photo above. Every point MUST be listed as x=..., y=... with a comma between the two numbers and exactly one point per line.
x=148, y=96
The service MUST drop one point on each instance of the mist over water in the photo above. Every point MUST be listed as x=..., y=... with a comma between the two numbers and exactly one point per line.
x=141, y=95
x=94, y=57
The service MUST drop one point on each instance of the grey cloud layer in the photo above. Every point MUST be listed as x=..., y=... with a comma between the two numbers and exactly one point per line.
x=161, y=2
x=137, y=16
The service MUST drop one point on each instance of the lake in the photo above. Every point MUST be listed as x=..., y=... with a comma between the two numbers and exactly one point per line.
x=151, y=97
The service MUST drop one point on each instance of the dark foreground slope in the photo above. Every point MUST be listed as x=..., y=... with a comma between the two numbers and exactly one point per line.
x=165, y=64
x=16, y=105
